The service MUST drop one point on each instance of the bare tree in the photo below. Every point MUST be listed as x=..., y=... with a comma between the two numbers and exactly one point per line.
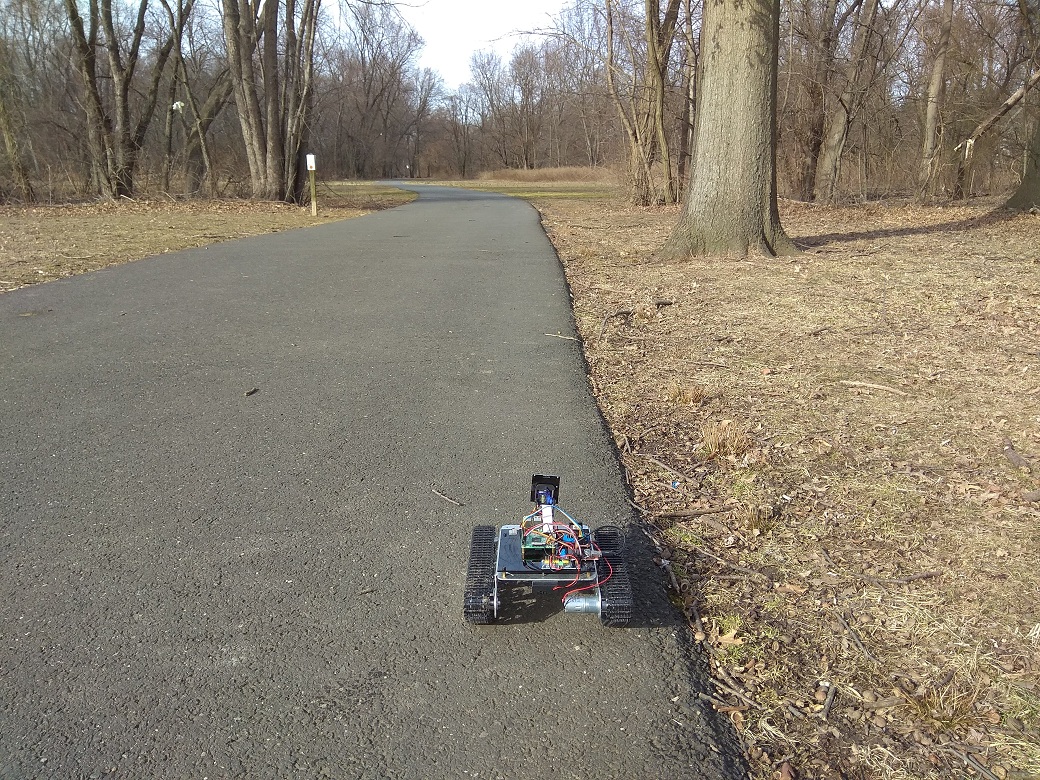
x=637, y=73
x=836, y=134
x=9, y=132
x=115, y=136
x=731, y=205
x=272, y=88
x=936, y=83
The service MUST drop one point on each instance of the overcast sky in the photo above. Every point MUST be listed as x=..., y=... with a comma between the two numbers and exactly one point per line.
x=454, y=29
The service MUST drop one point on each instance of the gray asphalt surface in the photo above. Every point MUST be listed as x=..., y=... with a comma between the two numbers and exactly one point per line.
x=198, y=582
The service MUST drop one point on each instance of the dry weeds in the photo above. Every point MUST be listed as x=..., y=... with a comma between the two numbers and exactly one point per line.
x=41, y=243
x=838, y=454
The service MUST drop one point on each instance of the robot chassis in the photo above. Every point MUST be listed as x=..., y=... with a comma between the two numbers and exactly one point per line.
x=548, y=549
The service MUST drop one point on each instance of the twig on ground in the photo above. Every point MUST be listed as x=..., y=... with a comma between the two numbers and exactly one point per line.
x=736, y=566
x=608, y=317
x=449, y=500
x=971, y=761
x=710, y=510
x=832, y=690
x=854, y=636
x=719, y=703
x=732, y=687
x=558, y=336
x=886, y=388
x=925, y=575
x=665, y=466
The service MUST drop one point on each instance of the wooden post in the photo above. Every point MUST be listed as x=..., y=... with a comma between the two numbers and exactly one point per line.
x=314, y=192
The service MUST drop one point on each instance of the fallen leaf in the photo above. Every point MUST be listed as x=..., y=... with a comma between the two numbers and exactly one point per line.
x=730, y=639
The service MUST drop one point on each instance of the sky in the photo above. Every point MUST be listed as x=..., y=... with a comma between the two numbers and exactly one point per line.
x=454, y=29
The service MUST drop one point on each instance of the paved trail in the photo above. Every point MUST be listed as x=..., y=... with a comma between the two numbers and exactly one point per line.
x=197, y=580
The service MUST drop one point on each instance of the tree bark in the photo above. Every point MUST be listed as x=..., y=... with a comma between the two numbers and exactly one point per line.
x=929, y=141
x=731, y=205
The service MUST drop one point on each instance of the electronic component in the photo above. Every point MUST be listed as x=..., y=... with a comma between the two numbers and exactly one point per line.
x=549, y=549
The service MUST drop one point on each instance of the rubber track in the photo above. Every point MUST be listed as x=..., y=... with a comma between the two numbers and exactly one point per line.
x=616, y=592
x=609, y=538
x=478, y=601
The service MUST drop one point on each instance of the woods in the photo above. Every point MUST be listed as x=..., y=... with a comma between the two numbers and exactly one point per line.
x=931, y=99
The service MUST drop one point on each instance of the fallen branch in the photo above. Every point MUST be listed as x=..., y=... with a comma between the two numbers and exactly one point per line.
x=719, y=704
x=925, y=575
x=832, y=690
x=665, y=466
x=886, y=388
x=449, y=500
x=558, y=336
x=732, y=687
x=971, y=761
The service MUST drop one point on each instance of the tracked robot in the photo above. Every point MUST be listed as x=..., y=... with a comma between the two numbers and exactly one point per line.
x=549, y=551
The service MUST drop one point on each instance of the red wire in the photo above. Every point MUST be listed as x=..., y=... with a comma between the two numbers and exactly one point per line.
x=596, y=584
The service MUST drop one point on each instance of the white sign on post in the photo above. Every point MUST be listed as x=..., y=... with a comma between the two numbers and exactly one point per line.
x=310, y=163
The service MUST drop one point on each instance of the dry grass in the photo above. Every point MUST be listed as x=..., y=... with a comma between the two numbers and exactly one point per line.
x=550, y=175
x=40, y=243
x=847, y=411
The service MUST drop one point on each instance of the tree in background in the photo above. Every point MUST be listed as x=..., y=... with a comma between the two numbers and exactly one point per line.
x=731, y=203
x=116, y=122
x=936, y=86
x=270, y=50
x=8, y=129
x=637, y=76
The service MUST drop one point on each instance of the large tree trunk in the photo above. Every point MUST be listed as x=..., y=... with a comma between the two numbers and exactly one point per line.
x=731, y=203
x=929, y=141
x=1027, y=196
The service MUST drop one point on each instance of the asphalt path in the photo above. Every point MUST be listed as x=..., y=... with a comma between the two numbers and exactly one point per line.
x=221, y=552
